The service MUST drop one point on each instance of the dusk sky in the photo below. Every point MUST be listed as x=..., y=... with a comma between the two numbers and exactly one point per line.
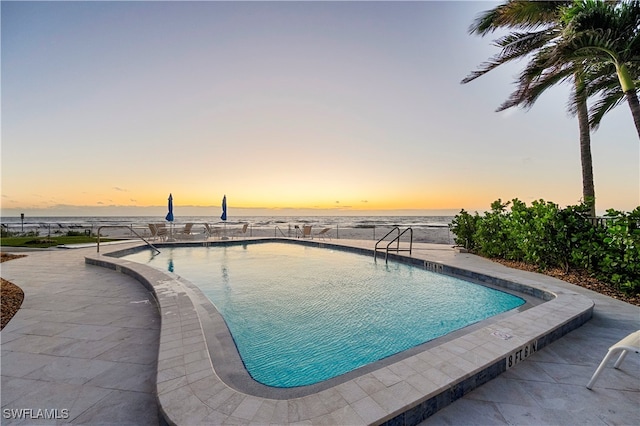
x=285, y=107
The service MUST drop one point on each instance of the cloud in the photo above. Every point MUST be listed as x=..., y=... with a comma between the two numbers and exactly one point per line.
x=117, y=188
x=364, y=201
x=100, y=202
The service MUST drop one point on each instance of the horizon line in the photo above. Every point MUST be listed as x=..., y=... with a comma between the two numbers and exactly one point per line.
x=186, y=211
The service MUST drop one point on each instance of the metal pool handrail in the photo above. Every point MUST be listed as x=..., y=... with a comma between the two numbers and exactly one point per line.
x=131, y=229
x=375, y=248
x=396, y=240
x=275, y=232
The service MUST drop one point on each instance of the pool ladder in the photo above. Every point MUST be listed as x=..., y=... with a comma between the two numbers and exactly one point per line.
x=155, y=250
x=395, y=240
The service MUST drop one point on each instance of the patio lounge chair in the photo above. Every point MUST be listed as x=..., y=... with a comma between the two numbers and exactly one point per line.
x=163, y=231
x=629, y=343
x=154, y=231
x=323, y=233
x=185, y=233
x=242, y=231
x=158, y=231
x=304, y=232
x=210, y=231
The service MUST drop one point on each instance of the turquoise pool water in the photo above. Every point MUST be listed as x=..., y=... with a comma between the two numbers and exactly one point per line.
x=301, y=315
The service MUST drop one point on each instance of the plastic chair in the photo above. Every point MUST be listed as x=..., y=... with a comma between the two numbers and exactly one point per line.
x=242, y=231
x=629, y=343
x=323, y=233
x=305, y=232
x=154, y=231
x=185, y=233
x=158, y=230
x=210, y=231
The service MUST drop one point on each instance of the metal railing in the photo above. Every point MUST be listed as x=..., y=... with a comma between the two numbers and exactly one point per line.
x=132, y=230
x=275, y=232
x=396, y=240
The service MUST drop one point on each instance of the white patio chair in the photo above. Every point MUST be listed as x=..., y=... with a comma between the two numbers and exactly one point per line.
x=324, y=233
x=210, y=231
x=629, y=343
x=242, y=232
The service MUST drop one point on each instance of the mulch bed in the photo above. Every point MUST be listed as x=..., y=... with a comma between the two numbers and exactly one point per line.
x=581, y=278
x=11, y=295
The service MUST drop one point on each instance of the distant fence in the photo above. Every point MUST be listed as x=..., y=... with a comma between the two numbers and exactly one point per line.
x=428, y=234
x=49, y=229
x=601, y=221
x=604, y=222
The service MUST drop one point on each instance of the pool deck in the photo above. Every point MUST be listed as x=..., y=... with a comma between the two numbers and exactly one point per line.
x=90, y=343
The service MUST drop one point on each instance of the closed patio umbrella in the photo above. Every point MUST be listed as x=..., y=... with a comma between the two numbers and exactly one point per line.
x=169, y=217
x=224, y=215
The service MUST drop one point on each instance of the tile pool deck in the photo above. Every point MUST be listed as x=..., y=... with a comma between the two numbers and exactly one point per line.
x=85, y=340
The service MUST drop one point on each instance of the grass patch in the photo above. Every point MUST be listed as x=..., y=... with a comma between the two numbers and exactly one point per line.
x=44, y=242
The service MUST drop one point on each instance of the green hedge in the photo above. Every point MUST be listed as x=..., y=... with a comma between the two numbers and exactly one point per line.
x=547, y=236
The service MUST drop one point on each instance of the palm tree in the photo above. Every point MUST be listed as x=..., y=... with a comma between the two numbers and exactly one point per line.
x=592, y=74
x=606, y=33
x=538, y=28
x=548, y=67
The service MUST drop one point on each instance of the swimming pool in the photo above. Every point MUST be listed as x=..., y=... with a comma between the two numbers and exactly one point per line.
x=201, y=378
x=300, y=315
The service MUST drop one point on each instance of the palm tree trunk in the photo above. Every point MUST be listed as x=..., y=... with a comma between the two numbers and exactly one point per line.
x=632, y=99
x=588, y=188
x=629, y=89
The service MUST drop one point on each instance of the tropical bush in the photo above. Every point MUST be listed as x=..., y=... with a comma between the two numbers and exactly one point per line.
x=75, y=233
x=5, y=233
x=465, y=225
x=620, y=259
x=545, y=235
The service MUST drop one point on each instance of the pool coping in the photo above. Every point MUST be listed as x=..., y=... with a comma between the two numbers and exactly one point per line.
x=405, y=392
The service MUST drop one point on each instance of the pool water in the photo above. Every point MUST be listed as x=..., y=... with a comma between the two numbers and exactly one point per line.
x=301, y=315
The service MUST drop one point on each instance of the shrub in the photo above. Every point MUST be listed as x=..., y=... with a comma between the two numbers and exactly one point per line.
x=547, y=236
x=492, y=235
x=538, y=234
x=75, y=234
x=464, y=227
x=620, y=259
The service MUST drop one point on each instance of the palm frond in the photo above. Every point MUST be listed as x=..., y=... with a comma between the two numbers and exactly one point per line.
x=609, y=100
x=514, y=46
x=532, y=83
x=518, y=14
x=587, y=42
x=517, y=42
